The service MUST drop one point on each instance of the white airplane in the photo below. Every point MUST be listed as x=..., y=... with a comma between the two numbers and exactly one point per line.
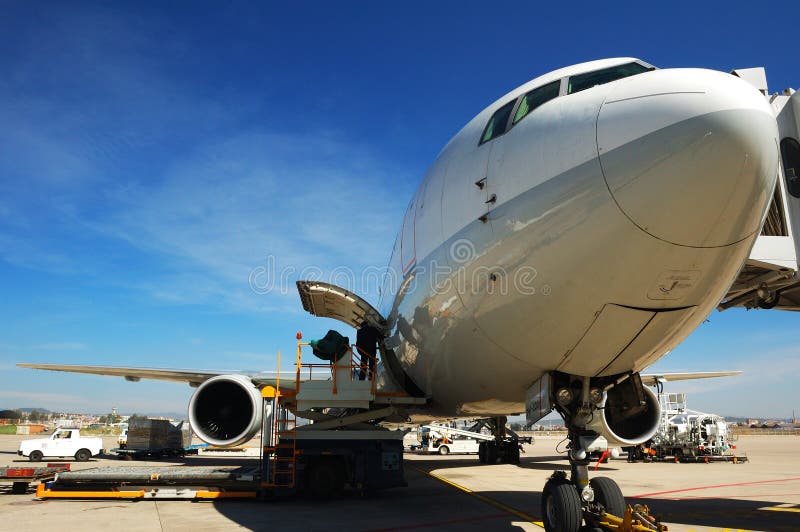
x=570, y=235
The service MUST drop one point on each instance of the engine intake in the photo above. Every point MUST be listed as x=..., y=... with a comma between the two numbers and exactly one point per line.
x=226, y=410
x=620, y=427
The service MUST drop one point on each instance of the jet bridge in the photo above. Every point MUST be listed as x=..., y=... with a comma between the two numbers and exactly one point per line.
x=769, y=277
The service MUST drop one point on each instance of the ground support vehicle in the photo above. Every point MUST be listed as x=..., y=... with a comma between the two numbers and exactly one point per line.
x=21, y=477
x=141, y=454
x=689, y=436
x=445, y=440
x=62, y=443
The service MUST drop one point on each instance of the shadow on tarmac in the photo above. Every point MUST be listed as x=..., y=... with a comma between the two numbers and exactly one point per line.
x=426, y=504
x=430, y=504
x=541, y=463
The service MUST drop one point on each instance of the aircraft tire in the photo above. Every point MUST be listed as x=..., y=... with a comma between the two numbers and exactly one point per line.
x=607, y=493
x=511, y=452
x=561, y=507
x=482, y=452
x=491, y=453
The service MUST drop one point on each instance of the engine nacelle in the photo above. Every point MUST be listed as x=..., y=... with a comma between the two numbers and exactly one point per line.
x=226, y=410
x=611, y=422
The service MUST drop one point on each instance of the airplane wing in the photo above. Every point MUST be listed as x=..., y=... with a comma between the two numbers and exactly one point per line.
x=192, y=377
x=652, y=379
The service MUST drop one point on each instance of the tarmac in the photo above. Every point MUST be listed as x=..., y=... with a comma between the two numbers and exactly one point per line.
x=449, y=493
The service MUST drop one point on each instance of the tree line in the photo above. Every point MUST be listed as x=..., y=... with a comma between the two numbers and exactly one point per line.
x=39, y=416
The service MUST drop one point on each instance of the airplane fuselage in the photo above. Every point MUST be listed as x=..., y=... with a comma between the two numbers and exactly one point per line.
x=590, y=236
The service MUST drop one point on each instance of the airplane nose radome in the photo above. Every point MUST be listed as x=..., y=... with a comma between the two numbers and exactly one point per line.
x=689, y=155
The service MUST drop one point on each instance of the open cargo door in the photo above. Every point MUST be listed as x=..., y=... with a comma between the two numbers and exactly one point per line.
x=326, y=300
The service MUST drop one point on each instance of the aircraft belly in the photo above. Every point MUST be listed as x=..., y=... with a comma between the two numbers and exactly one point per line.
x=609, y=335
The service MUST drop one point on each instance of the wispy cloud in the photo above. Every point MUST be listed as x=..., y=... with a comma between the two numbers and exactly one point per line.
x=144, y=159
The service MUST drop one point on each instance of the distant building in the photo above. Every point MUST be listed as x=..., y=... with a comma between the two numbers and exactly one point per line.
x=30, y=428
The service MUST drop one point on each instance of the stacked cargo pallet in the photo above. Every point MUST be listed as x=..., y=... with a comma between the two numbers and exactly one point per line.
x=158, y=434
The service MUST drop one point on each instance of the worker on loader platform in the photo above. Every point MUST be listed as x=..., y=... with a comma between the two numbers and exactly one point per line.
x=367, y=344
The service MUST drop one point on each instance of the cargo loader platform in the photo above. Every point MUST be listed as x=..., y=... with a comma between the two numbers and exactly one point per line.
x=153, y=482
x=319, y=459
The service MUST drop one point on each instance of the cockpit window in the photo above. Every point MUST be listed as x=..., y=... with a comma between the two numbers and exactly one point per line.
x=607, y=75
x=498, y=123
x=535, y=98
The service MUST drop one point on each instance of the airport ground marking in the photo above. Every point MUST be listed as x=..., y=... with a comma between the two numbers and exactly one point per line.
x=788, y=507
x=643, y=495
x=748, y=496
x=497, y=504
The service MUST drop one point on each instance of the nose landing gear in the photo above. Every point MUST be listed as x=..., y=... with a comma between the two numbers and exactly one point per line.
x=574, y=503
x=568, y=503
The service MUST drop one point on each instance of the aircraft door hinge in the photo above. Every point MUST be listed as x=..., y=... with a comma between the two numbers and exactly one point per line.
x=492, y=199
x=481, y=183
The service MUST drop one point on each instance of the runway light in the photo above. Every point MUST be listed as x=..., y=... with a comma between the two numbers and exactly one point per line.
x=564, y=396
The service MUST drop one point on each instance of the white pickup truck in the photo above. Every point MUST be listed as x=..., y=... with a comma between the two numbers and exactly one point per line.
x=62, y=443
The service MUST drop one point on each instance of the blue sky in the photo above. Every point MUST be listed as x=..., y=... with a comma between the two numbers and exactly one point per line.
x=153, y=156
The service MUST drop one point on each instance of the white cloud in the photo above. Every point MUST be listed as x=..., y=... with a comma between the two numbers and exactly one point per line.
x=133, y=154
x=305, y=200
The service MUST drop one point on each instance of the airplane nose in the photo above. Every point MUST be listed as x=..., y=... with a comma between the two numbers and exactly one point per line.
x=690, y=156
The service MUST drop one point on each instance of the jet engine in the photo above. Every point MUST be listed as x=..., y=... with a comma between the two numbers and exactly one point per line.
x=625, y=422
x=226, y=410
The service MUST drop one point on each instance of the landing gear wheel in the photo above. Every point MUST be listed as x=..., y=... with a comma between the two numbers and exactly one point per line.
x=607, y=493
x=482, y=452
x=35, y=456
x=444, y=450
x=561, y=507
x=83, y=455
x=491, y=453
x=511, y=452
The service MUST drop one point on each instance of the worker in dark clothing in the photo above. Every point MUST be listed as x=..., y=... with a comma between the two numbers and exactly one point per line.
x=367, y=338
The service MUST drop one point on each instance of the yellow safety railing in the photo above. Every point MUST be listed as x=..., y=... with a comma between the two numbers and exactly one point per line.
x=360, y=363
